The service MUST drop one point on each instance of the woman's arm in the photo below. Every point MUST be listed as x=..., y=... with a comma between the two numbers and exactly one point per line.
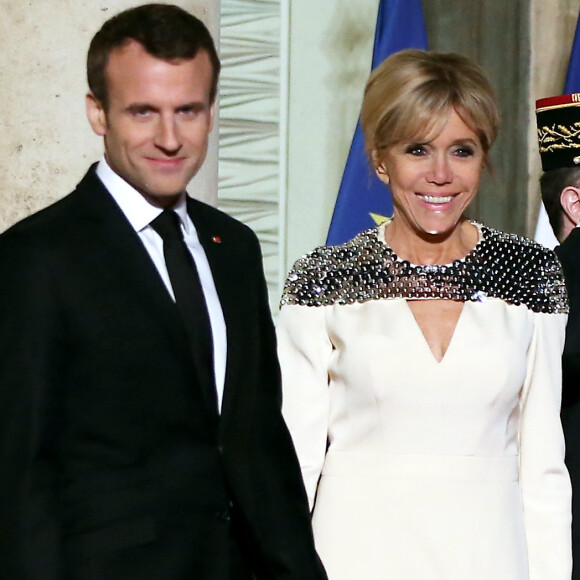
x=304, y=350
x=544, y=480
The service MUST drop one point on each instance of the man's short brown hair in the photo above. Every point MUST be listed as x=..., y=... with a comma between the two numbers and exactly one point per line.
x=165, y=31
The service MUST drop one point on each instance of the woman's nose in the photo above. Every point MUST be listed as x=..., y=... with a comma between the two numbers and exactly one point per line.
x=440, y=171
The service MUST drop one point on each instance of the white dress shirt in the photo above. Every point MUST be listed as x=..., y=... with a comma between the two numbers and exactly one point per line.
x=140, y=214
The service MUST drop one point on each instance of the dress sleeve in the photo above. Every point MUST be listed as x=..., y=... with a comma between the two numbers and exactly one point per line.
x=544, y=480
x=304, y=349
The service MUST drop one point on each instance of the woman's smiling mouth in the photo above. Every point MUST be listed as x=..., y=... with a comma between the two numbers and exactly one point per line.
x=436, y=199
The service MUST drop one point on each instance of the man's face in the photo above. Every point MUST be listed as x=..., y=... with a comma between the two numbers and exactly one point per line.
x=158, y=120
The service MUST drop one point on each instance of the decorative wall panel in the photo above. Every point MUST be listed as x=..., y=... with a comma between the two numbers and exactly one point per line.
x=252, y=124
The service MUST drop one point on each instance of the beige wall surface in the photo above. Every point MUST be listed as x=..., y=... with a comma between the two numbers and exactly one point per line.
x=46, y=144
x=330, y=57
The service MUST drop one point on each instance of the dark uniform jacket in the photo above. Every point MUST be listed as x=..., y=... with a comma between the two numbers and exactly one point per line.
x=569, y=254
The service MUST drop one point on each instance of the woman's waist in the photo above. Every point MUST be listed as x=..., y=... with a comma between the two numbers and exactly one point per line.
x=410, y=466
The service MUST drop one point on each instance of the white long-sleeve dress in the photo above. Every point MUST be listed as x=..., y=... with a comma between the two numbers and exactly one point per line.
x=426, y=470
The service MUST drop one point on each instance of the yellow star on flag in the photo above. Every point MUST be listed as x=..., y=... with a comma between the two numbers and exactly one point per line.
x=378, y=218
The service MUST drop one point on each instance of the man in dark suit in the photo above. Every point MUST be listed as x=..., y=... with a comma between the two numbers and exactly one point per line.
x=559, y=139
x=140, y=427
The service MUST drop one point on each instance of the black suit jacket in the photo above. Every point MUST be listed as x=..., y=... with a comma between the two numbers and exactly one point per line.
x=569, y=254
x=112, y=465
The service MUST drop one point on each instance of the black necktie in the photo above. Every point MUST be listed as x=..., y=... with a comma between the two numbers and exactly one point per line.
x=189, y=299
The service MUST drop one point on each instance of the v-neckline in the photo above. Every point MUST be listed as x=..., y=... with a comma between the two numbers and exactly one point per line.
x=418, y=328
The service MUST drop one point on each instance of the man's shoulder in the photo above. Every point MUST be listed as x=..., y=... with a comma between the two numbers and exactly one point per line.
x=215, y=221
x=207, y=211
x=569, y=254
x=569, y=250
x=45, y=225
x=59, y=227
x=57, y=216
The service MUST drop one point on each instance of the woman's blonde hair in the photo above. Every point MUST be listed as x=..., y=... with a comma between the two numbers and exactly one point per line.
x=409, y=96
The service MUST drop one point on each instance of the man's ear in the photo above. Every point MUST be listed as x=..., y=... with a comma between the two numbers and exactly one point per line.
x=570, y=202
x=96, y=115
x=380, y=168
x=211, y=116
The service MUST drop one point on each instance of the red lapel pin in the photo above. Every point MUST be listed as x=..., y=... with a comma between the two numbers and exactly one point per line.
x=217, y=240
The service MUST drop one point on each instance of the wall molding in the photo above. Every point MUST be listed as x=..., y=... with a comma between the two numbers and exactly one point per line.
x=252, y=124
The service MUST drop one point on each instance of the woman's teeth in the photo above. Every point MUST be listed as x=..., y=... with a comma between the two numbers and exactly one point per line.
x=435, y=199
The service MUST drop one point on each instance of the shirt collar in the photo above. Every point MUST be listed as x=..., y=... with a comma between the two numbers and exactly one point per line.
x=136, y=208
x=180, y=208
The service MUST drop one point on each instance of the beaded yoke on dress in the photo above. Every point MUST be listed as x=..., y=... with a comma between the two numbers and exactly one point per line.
x=505, y=266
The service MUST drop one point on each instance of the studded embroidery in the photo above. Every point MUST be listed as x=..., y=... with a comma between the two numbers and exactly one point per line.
x=504, y=266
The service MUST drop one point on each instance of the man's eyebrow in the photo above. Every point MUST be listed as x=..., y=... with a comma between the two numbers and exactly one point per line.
x=143, y=107
x=140, y=107
x=193, y=105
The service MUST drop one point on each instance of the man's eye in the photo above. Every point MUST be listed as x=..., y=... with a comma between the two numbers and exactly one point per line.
x=141, y=113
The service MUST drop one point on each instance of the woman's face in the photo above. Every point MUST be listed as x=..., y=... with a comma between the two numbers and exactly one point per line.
x=433, y=181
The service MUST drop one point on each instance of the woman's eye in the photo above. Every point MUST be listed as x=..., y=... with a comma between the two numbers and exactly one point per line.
x=416, y=149
x=464, y=151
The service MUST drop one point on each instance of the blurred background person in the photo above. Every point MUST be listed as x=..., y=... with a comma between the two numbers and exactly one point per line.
x=558, y=126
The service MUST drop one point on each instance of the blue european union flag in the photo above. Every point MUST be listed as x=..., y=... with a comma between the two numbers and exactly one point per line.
x=572, y=84
x=400, y=25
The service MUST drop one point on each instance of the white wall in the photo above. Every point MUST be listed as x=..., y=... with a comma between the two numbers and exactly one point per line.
x=330, y=58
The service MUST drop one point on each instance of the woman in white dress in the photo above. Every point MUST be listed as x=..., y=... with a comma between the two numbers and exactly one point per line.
x=421, y=360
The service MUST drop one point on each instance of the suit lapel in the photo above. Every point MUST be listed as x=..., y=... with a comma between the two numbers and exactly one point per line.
x=107, y=227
